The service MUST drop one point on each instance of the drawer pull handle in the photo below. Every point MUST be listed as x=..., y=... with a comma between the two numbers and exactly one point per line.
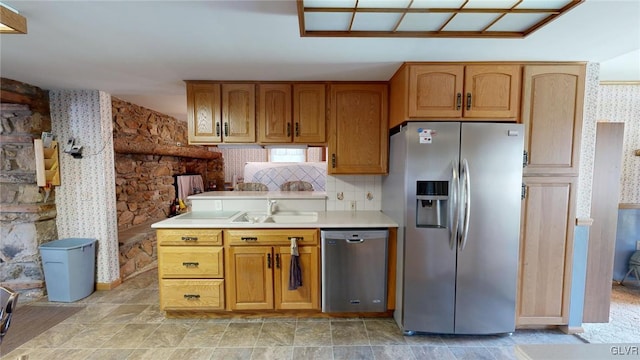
x=299, y=238
x=277, y=261
x=190, y=264
x=189, y=238
x=192, y=296
x=268, y=261
x=249, y=238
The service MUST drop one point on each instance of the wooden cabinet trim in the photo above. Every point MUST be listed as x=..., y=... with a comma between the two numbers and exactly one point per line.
x=250, y=237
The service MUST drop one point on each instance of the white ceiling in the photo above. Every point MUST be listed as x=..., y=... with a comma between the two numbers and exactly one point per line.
x=141, y=51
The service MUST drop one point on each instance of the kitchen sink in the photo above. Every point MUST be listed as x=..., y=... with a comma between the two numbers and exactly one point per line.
x=283, y=217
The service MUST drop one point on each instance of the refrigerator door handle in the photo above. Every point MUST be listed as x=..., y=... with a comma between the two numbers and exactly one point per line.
x=466, y=183
x=454, y=211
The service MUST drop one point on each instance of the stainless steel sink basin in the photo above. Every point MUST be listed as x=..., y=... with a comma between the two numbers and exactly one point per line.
x=282, y=217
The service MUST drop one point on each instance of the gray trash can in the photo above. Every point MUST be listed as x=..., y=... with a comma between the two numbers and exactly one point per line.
x=69, y=268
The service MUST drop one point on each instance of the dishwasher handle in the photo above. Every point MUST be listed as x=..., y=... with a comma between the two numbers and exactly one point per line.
x=354, y=241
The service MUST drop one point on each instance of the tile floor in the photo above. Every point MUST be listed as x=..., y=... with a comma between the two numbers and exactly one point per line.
x=126, y=323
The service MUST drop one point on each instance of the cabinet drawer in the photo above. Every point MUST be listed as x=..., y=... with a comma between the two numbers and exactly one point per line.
x=189, y=237
x=190, y=262
x=271, y=236
x=191, y=294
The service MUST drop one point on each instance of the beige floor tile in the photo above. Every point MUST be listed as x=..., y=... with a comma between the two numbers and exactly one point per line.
x=192, y=354
x=349, y=333
x=272, y=353
x=352, y=353
x=313, y=333
x=166, y=335
x=92, y=336
x=130, y=336
x=225, y=353
x=392, y=352
x=151, y=354
x=313, y=353
x=241, y=335
x=277, y=333
x=203, y=335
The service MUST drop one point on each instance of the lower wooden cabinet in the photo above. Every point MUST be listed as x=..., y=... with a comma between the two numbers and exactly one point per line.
x=191, y=269
x=192, y=294
x=546, y=250
x=258, y=270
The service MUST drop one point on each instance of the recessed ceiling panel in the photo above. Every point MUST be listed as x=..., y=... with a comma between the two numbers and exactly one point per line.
x=490, y=4
x=424, y=21
x=428, y=18
x=402, y=4
x=375, y=21
x=327, y=21
x=332, y=3
x=470, y=22
x=436, y=4
x=543, y=4
x=517, y=22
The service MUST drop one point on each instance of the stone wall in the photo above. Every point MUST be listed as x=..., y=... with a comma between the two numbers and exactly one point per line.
x=144, y=141
x=26, y=219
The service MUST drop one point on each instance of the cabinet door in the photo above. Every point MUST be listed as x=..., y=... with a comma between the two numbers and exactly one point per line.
x=274, y=113
x=239, y=113
x=546, y=250
x=553, y=97
x=309, y=113
x=435, y=91
x=304, y=297
x=359, y=138
x=491, y=91
x=250, y=277
x=203, y=113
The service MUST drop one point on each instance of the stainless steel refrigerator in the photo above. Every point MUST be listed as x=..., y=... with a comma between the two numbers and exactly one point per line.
x=454, y=188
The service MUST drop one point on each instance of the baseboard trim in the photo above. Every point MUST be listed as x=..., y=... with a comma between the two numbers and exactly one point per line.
x=571, y=329
x=108, y=286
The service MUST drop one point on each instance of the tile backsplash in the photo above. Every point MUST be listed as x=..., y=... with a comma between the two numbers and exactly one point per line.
x=365, y=190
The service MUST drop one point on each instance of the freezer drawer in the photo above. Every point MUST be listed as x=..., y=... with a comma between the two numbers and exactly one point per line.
x=354, y=270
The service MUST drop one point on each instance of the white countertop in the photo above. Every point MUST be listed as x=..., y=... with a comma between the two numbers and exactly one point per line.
x=326, y=219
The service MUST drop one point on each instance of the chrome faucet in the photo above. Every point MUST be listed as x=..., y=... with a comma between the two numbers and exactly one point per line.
x=270, y=204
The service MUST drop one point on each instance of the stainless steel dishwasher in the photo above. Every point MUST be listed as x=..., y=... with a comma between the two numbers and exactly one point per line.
x=354, y=270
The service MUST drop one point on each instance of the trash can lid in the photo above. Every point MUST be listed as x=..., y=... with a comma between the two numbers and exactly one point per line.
x=67, y=244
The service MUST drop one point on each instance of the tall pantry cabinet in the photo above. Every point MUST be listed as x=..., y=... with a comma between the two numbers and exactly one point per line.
x=552, y=103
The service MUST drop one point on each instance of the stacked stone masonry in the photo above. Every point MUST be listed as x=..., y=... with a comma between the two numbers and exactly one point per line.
x=144, y=180
x=26, y=219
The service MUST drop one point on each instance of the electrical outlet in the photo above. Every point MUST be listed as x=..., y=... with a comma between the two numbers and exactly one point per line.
x=217, y=205
x=352, y=204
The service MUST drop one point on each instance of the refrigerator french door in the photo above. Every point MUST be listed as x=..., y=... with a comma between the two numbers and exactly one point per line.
x=460, y=218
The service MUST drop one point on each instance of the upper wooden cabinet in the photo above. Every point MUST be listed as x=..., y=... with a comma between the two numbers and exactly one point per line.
x=455, y=91
x=221, y=113
x=553, y=98
x=286, y=115
x=203, y=113
x=239, y=113
x=358, y=131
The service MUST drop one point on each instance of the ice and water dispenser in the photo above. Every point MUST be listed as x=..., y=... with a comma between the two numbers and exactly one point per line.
x=432, y=201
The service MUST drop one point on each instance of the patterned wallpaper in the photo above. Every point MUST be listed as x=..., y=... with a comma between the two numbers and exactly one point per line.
x=85, y=199
x=621, y=103
x=588, y=142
